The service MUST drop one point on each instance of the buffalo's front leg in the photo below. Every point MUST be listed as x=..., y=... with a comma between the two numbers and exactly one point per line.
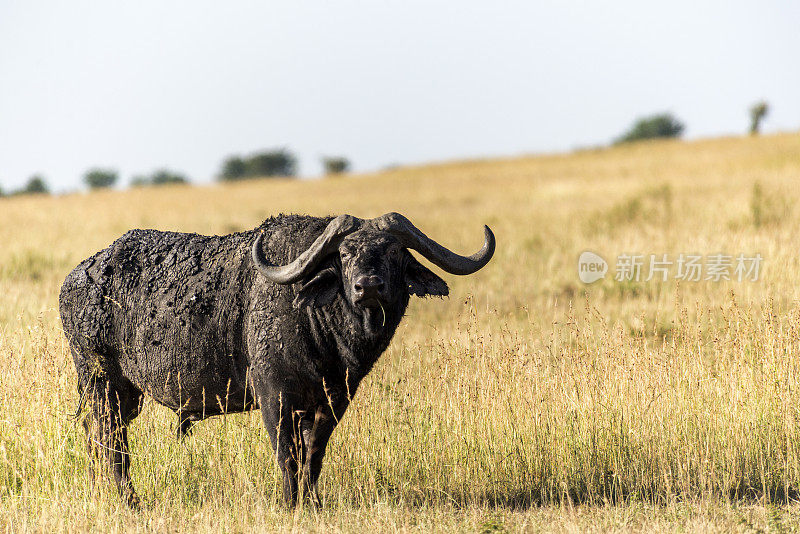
x=317, y=428
x=282, y=427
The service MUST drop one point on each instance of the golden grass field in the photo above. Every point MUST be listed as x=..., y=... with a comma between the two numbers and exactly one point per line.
x=526, y=401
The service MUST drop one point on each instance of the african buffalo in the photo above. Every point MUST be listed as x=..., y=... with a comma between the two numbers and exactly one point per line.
x=288, y=318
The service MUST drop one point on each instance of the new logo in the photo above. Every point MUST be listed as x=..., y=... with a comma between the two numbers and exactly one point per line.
x=591, y=267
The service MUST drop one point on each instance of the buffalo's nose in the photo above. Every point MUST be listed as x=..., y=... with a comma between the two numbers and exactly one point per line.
x=368, y=286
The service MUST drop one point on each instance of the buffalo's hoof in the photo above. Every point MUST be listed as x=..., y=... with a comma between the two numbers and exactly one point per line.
x=133, y=501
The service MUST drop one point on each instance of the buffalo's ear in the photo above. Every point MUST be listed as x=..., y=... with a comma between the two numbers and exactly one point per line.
x=423, y=282
x=320, y=290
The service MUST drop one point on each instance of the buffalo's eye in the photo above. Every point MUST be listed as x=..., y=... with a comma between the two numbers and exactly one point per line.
x=394, y=253
x=344, y=255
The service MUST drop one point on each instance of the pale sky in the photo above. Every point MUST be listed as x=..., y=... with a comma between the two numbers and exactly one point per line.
x=182, y=84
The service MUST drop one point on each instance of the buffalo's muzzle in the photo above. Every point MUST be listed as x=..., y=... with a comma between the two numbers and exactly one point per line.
x=369, y=288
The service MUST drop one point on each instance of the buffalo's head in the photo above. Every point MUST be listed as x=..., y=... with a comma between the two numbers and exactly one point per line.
x=369, y=262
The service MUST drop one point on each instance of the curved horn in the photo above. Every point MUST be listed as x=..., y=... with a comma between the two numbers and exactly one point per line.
x=305, y=263
x=410, y=236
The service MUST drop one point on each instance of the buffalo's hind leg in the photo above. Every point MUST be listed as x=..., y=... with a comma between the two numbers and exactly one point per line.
x=185, y=424
x=110, y=408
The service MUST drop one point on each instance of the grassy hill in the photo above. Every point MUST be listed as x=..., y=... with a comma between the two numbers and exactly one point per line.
x=526, y=400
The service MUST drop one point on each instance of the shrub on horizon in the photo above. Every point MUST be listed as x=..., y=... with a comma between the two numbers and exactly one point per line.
x=663, y=125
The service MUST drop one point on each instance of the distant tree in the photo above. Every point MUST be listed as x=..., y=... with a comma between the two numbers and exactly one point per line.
x=2, y=193
x=335, y=165
x=233, y=168
x=758, y=111
x=164, y=176
x=272, y=163
x=99, y=178
x=35, y=185
x=140, y=180
x=269, y=163
x=653, y=127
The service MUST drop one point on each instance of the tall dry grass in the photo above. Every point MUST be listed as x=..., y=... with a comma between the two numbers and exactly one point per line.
x=527, y=400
